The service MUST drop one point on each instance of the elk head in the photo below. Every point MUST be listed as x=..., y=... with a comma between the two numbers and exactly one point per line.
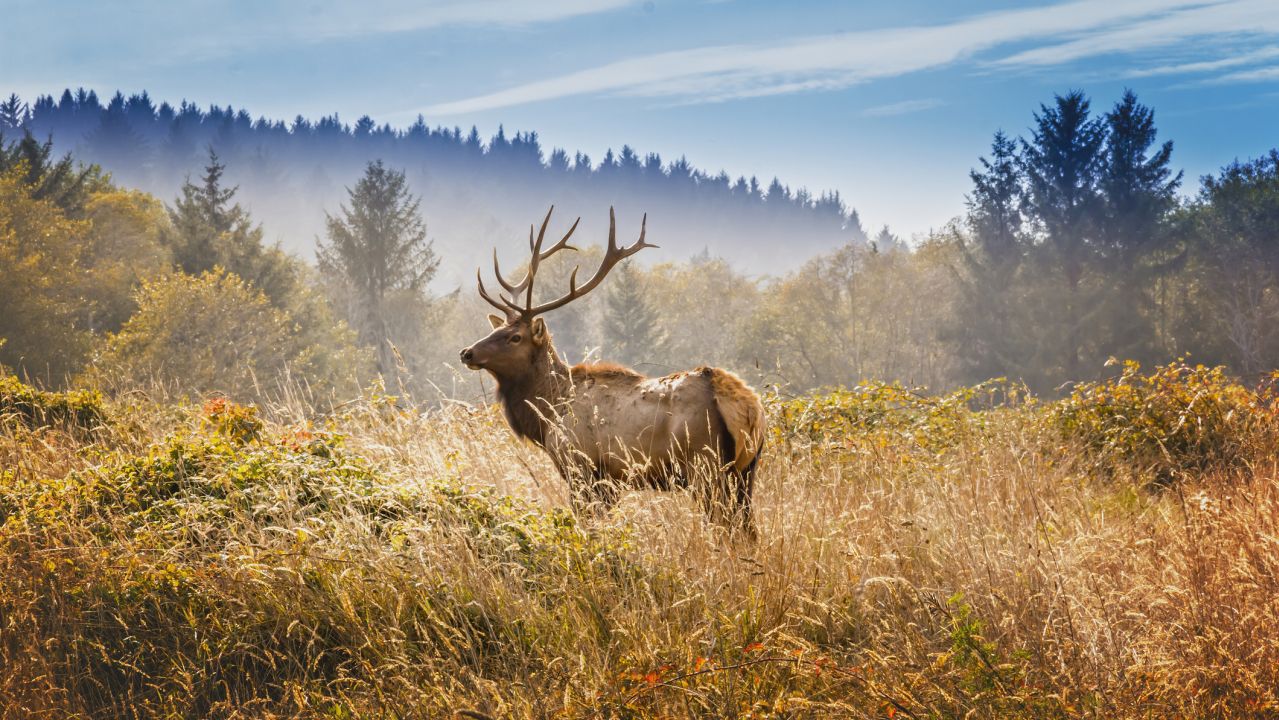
x=519, y=335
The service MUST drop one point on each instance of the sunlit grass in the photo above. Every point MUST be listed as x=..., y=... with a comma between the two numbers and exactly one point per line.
x=377, y=561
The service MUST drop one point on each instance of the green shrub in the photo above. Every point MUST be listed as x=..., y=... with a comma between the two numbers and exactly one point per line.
x=1177, y=419
x=38, y=408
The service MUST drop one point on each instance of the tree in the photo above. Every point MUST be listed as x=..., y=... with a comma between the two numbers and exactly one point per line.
x=13, y=113
x=62, y=181
x=632, y=326
x=122, y=249
x=1234, y=226
x=216, y=333
x=1137, y=183
x=990, y=257
x=1063, y=163
x=211, y=230
x=40, y=266
x=1138, y=190
x=378, y=247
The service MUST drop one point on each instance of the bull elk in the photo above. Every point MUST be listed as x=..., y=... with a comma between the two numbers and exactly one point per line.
x=607, y=427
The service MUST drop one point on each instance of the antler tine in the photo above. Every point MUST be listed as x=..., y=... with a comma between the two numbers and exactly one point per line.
x=612, y=256
x=506, y=306
x=510, y=288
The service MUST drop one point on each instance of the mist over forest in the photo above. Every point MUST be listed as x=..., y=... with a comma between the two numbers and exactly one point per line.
x=476, y=191
x=1078, y=249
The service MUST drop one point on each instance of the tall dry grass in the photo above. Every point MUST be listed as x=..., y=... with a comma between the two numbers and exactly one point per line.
x=383, y=562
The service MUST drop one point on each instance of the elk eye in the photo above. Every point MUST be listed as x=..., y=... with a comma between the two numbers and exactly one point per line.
x=515, y=339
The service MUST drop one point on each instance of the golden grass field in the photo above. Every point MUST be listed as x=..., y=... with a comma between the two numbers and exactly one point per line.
x=981, y=554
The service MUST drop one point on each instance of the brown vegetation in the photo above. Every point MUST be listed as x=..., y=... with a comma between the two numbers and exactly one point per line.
x=918, y=557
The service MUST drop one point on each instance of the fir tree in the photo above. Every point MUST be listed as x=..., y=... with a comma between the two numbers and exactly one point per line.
x=13, y=113
x=1137, y=183
x=632, y=326
x=1063, y=162
x=210, y=229
x=377, y=247
x=1138, y=190
x=61, y=182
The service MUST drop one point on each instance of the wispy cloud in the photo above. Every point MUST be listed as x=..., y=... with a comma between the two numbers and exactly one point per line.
x=1232, y=18
x=175, y=31
x=1207, y=66
x=1264, y=74
x=338, y=18
x=841, y=60
x=903, y=108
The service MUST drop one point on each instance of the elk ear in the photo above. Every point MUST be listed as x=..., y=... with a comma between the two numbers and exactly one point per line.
x=496, y=321
x=538, y=327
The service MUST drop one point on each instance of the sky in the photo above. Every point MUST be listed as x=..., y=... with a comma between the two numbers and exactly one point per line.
x=891, y=104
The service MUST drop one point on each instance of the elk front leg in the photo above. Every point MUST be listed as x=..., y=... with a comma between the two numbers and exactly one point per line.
x=590, y=488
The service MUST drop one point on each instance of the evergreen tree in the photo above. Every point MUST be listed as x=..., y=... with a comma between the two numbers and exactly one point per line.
x=13, y=113
x=1137, y=183
x=1138, y=191
x=117, y=146
x=632, y=327
x=1063, y=162
x=989, y=337
x=211, y=230
x=61, y=182
x=377, y=247
x=994, y=206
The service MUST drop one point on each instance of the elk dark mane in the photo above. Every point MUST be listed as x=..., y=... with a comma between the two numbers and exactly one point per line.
x=527, y=399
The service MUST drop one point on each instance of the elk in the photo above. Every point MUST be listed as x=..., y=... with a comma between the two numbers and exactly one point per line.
x=607, y=427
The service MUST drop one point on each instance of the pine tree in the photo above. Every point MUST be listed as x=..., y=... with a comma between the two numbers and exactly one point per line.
x=632, y=327
x=13, y=113
x=1138, y=191
x=1063, y=163
x=990, y=339
x=211, y=230
x=377, y=247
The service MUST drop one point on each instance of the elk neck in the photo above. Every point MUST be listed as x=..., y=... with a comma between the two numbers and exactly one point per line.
x=530, y=399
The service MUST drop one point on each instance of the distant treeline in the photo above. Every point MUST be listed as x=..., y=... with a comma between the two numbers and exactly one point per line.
x=1076, y=248
x=475, y=193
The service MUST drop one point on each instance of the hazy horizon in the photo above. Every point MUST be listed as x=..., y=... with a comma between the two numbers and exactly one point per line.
x=889, y=106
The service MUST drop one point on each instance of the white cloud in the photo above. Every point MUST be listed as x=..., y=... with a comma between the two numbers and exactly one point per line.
x=1264, y=74
x=1238, y=18
x=839, y=60
x=903, y=108
x=1207, y=65
x=334, y=18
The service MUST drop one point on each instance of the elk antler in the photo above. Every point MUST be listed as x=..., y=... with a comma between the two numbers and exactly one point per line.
x=509, y=306
x=612, y=255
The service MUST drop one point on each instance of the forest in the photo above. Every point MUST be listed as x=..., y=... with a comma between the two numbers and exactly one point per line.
x=1081, y=246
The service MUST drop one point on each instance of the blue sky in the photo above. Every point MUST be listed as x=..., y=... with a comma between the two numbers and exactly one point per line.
x=889, y=103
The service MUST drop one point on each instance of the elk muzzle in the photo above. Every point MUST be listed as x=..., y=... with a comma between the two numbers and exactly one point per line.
x=468, y=358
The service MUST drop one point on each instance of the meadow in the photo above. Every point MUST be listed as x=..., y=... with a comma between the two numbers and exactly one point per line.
x=983, y=553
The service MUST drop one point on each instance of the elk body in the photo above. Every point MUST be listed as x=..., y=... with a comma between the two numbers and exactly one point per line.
x=607, y=427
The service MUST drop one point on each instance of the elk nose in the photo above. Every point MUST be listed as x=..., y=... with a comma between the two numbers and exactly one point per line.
x=467, y=355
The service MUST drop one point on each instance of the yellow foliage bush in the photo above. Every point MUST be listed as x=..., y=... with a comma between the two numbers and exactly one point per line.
x=36, y=408
x=1179, y=418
